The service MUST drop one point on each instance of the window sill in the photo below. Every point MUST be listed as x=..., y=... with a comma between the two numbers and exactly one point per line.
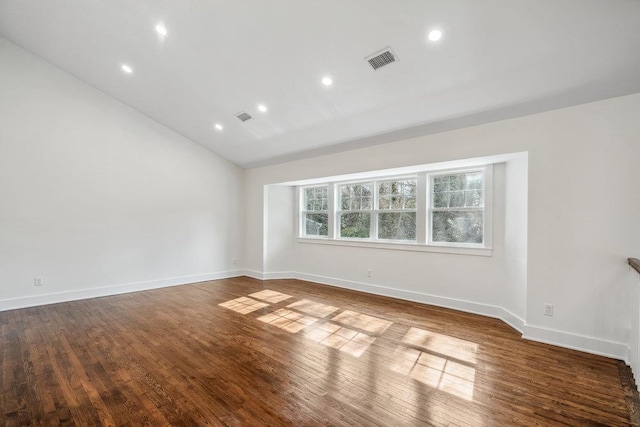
x=459, y=250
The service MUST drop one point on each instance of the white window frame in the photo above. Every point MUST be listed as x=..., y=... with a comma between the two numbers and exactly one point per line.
x=487, y=185
x=338, y=210
x=302, y=209
x=424, y=214
x=377, y=211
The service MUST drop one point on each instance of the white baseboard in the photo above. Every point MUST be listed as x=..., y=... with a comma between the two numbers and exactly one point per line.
x=269, y=275
x=568, y=340
x=511, y=319
x=462, y=305
x=587, y=344
x=35, y=300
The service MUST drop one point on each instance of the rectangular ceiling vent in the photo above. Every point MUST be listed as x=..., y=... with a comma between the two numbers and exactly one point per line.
x=382, y=58
x=243, y=116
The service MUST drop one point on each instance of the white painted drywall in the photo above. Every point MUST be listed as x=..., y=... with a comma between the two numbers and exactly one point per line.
x=94, y=195
x=514, y=292
x=280, y=223
x=582, y=207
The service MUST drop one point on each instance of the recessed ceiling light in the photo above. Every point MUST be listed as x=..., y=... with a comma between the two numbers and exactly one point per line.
x=435, y=35
x=327, y=81
x=127, y=69
x=218, y=126
x=262, y=108
x=161, y=29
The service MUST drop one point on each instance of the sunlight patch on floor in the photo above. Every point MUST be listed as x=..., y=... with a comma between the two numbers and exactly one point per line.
x=243, y=305
x=439, y=361
x=368, y=323
x=288, y=320
x=442, y=344
x=341, y=338
x=313, y=308
x=270, y=296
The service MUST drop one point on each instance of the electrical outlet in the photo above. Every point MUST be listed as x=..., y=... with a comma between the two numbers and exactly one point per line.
x=235, y=261
x=37, y=281
x=369, y=273
x=548, y=309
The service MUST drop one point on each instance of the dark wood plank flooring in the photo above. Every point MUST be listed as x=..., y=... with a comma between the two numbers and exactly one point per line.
x=175, y=356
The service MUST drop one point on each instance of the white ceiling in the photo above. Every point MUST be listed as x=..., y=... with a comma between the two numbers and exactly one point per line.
x=497, y=59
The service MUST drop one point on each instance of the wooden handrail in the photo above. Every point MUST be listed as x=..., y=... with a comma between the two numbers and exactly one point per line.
x=635, y=263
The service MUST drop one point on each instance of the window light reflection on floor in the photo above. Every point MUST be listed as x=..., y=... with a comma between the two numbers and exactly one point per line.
x=288, y=320
x=368, y=323
x=353, y=335
x=243, y=305
x=270, y=296
x=439, y=361
x=443, y=344
x=313, y=308
x=341, y=338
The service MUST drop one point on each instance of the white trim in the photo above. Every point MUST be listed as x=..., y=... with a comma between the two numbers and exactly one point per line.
x=274, y=275
x=568, y=340
x=615, y=350
x=511, y=319
x=80, y=294
x=363, y=243
x=457, y=304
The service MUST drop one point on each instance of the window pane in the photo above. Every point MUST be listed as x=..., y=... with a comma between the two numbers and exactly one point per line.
x=316, y=199
x=457, y=227
x=410, y=203
x=473, y=198
x=458, y=191
x=365, y=202
x=397, y=225
x=441, y=200
x=440, y=184
x=385, y=188
x=456, y=199
x=355, y=224
x=316, y=224
x=457, y=182
x=474, y=181
x=308, y=201
x=384, y=202
x=397, y=194
x=355, y=197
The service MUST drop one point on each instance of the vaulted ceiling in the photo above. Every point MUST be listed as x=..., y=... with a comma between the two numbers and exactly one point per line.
x=495, y=59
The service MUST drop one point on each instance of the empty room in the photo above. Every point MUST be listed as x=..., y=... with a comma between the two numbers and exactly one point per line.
x=297, y=213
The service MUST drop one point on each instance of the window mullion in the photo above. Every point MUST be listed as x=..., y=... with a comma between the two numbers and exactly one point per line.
x=374, y=212
x=421, y=209
x=331, y=206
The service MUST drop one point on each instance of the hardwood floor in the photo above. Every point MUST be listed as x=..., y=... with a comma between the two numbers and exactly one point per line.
x=293, y=353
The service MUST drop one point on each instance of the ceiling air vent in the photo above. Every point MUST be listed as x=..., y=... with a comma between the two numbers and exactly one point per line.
x=243, y=116
x=382, y=58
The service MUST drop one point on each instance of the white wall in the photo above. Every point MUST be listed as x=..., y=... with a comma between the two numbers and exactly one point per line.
x=514, y=292
x=280, y=225
x=95, y=195
x=582, y=209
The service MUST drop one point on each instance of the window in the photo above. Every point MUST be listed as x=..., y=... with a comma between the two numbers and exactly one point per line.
x=354, y=215
x=457, y=208
x=397, y=210
x=315, y=211
x=443, y=209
